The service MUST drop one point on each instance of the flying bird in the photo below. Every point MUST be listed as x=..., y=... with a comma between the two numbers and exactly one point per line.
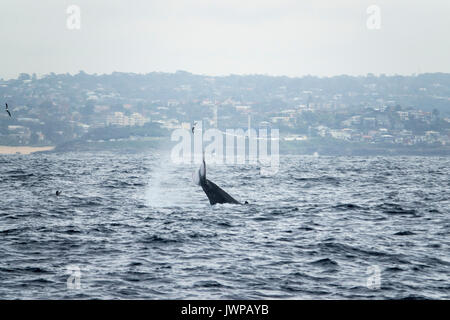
x=193, y=127
x=7, y=109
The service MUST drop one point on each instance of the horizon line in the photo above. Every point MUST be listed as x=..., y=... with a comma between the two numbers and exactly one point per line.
x=379, y=75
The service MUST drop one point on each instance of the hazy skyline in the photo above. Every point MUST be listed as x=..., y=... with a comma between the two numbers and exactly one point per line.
x=292, y=38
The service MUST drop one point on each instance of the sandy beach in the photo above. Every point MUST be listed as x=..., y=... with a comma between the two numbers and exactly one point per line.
x=23, y=150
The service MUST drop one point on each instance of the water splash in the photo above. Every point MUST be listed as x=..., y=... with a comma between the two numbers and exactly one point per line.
x=170, y=184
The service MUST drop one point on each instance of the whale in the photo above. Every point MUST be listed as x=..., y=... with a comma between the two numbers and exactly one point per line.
x=214, y=193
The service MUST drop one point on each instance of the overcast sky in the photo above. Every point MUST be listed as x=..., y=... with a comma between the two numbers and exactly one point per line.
x=220, y=37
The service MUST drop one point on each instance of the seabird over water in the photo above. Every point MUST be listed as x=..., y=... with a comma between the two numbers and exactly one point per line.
x=7, y=109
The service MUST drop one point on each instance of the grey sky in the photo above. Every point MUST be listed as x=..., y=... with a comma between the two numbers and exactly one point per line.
x=220, y=37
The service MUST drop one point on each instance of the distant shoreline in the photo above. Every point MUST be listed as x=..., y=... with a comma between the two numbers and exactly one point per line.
x=23, y=150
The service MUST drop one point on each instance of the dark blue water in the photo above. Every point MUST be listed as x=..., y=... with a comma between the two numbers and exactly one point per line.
x=137, y=227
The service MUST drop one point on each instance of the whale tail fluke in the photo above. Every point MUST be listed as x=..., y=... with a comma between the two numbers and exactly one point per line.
x=199, y=175
x=214, y=193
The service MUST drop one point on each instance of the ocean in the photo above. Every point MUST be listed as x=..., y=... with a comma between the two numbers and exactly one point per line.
x=135, y=226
